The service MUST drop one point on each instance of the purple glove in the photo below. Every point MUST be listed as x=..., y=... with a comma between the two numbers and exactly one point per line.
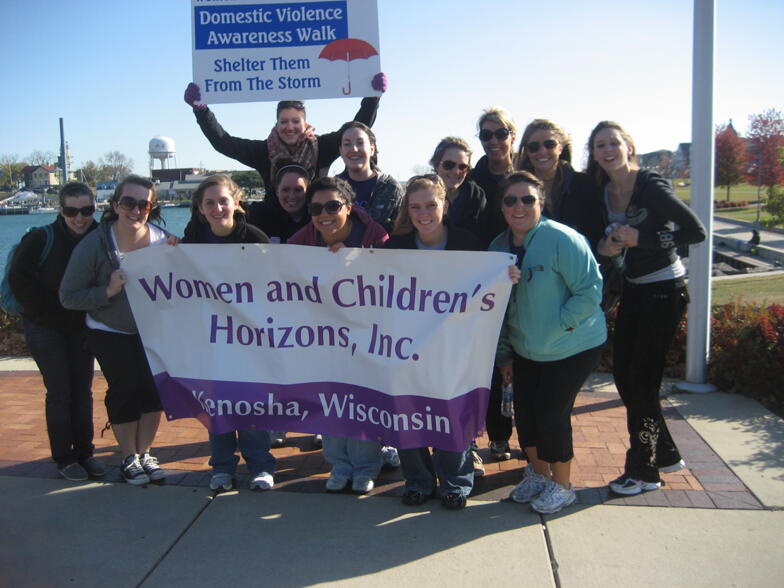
x=192, y=96
x=379, y=82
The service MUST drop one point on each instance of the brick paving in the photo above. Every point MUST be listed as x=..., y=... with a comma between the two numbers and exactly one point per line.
x=600, y=443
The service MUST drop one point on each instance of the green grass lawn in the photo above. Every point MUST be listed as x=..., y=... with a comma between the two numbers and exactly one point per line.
x=763, y=290
x=745, y=214
x=737, y=193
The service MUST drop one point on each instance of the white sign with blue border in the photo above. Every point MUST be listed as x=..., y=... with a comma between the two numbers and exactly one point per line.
x=246, y=51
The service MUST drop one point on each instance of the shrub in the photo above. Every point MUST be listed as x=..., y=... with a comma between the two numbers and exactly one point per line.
x=746, y=354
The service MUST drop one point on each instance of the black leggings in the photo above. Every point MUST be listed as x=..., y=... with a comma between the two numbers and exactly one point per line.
x=648, y=318
x=544, y=394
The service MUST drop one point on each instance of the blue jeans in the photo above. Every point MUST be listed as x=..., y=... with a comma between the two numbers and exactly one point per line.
x=353, y=458
x=254, y=447
x=67, y=369
x=422, y=471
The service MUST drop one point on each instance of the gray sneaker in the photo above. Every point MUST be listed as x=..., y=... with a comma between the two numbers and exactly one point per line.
x=151, y=467
x=94, y=467
x=132, y=471
x=532, y=486
x=73, y=472
x=221, y=481
x=553, y=498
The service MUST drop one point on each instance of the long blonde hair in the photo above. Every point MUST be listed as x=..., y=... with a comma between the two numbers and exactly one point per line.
x=430, y=182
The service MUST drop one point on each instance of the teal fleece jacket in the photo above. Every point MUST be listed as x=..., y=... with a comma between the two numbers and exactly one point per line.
x=553, y=311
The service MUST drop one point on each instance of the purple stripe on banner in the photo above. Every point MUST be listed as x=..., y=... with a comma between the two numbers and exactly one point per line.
x=330, y=408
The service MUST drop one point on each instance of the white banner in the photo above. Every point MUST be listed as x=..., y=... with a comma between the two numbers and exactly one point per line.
x=255, y=51
x=379, y=344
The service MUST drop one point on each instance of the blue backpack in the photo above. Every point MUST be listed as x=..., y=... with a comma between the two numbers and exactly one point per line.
x=8, y=301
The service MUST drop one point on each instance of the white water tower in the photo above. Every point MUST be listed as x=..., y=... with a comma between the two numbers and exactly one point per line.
x=162, y=149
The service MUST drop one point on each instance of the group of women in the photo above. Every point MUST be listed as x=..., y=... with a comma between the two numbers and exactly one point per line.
x=533, y=204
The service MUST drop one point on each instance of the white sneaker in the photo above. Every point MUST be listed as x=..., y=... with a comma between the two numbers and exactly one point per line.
x=221, y=481
x=362, y=485
x=553, y=498
x=628, y=486
x=262, y=481
x=336, y=483
x=673, y=468
x=530, y=488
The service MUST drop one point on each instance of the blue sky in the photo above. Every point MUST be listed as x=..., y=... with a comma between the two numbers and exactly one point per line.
x=116, y=72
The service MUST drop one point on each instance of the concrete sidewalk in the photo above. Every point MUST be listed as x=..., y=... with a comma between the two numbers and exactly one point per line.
x=718, y=523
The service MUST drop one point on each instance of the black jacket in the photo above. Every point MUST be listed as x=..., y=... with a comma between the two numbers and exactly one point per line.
x=663, y=220
x=578, y=206
x=270, y=217
x=254, y=153
x=457, y=239
x=472, y=209
x=199, y=232
x=37, y=288
x=493, y=222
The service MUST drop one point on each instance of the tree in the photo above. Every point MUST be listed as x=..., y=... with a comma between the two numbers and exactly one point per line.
x=775, y=208
x=730, y=157
x=11, y=170
x=90, y=173
x=249, y=180
x=115, y=166
x=41, y=158
x=765, y=140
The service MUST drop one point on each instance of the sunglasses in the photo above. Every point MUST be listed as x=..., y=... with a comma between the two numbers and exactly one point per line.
x=129, y=204
x=450, y=165
x=533, y=146
x=500, y=134
x=72, y=211
x=331, y=207
x=509, y=200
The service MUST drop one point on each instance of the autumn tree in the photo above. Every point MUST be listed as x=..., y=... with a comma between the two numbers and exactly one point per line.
x=765, y=140
x=115, y=166
x=730, y=157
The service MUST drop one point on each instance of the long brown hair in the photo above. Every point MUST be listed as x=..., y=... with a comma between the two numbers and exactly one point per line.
x=593, y=168
x=109, y=215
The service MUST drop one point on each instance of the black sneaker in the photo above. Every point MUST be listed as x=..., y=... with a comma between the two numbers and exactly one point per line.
x=151, y=468
x=73, y=472
x=414, y=498
x=500, y=450
x=133, y=472
x=625, y=485
x=94, y=467
x=453, y=501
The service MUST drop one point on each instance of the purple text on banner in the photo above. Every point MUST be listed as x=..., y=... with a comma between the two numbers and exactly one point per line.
x=330, y=408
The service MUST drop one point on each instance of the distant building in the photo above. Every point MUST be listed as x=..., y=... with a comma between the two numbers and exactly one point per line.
x=681, y=161
x=659, y=161
x=41, y=175
x=176, y=174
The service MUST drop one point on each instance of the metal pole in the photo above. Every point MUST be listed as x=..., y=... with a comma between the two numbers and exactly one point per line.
x=702, y=158
x=63, y=157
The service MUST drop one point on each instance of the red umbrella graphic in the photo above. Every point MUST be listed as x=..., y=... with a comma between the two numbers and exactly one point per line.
x=347, y=50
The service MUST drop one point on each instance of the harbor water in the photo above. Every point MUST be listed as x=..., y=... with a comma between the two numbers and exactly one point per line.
x=13, y=227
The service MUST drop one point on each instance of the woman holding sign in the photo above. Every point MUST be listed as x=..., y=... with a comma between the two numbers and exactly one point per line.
x=217, y=217
x=421, y=225
x=551, y=338
x=94, y=282
x=291, y=137
x=337, y=223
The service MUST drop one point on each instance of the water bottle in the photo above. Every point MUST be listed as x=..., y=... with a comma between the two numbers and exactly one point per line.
x=507, y=400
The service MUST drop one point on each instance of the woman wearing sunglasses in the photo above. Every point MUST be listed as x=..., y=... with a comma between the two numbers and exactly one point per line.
x=570, y=196
x=56, y=335
x=497, y=132
x=378, y=193
x=291, y=137
x=93, y=282
x=422, y=224
x=646, y=223
x=452, y=162
x=551, y=338
x=217, y=217
x=337, y=223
